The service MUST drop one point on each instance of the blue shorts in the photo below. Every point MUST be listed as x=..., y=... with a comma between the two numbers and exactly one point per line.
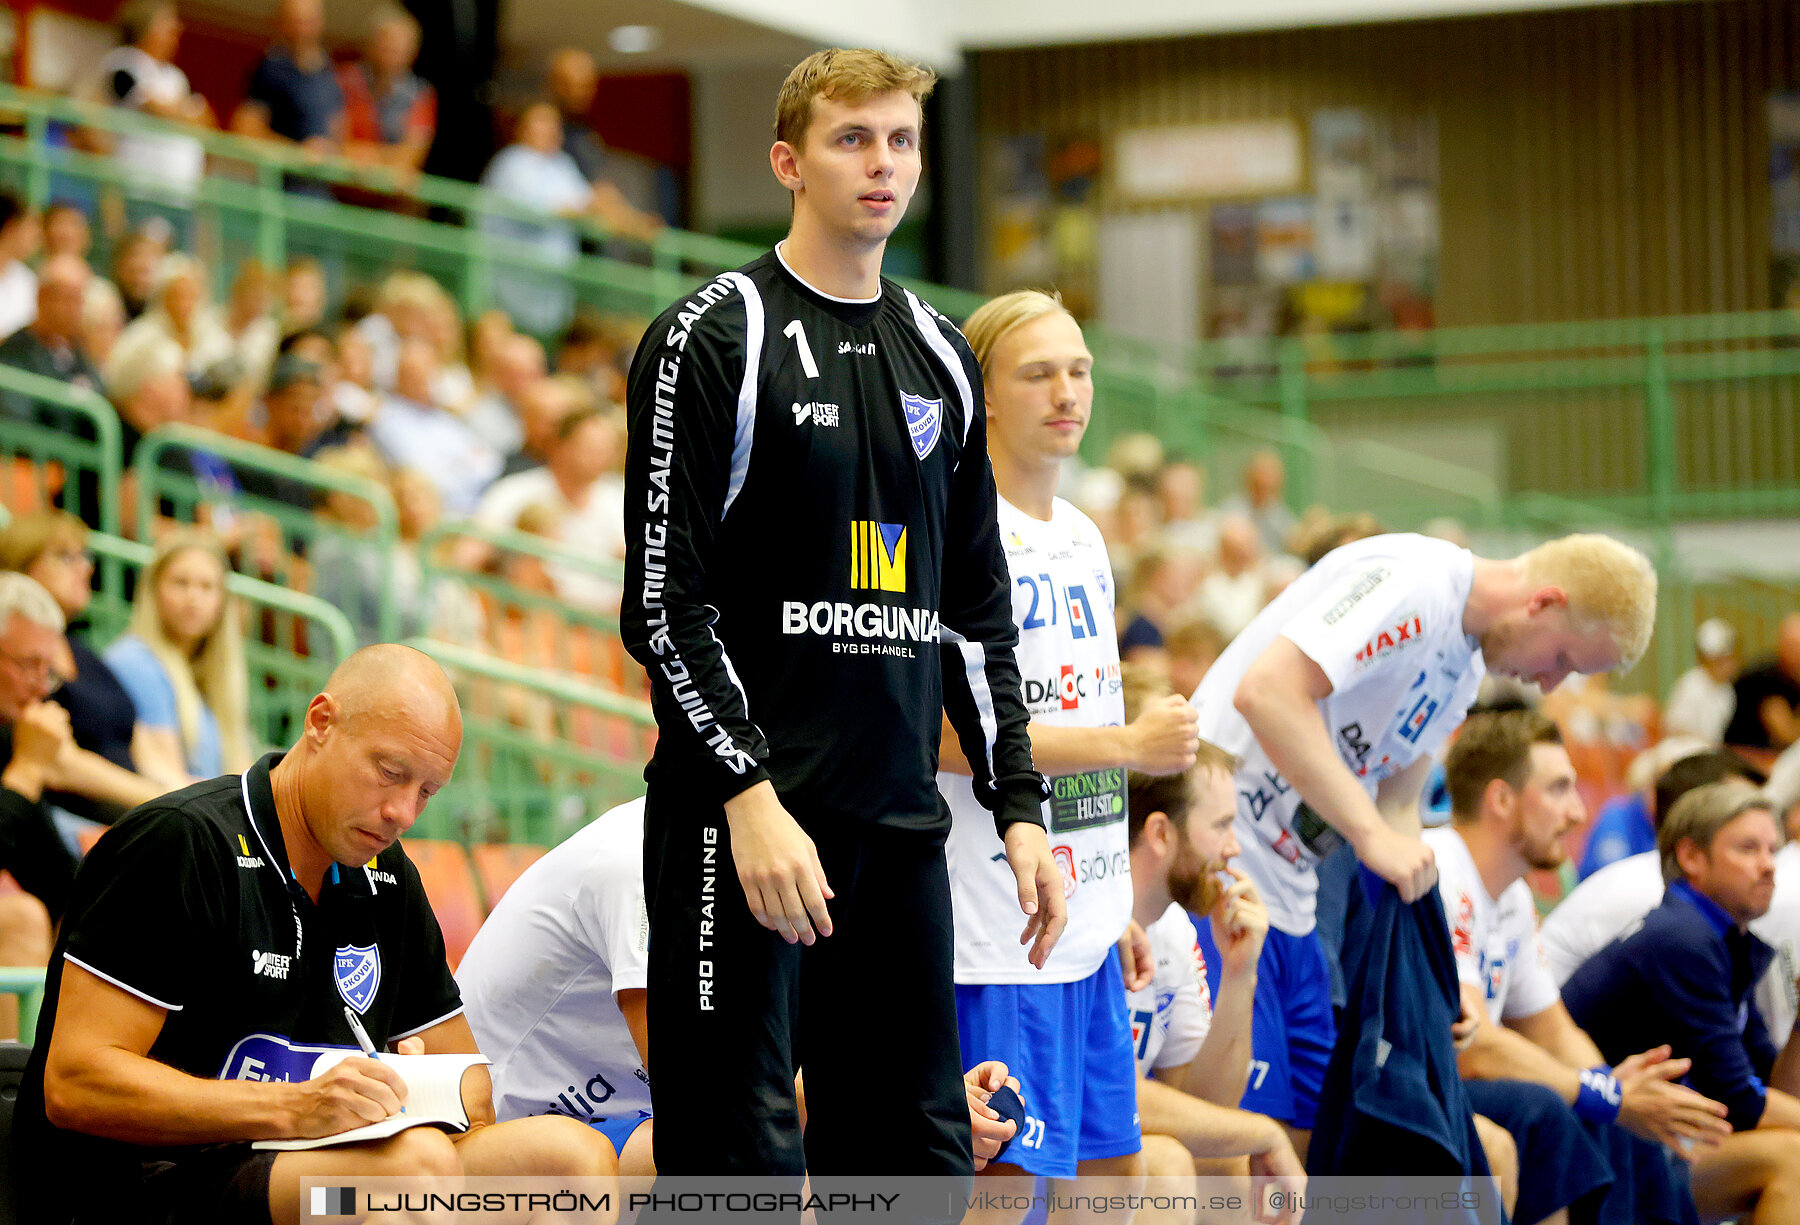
x=618, y=1130
x=1293, y=1027
x=1070, y=1046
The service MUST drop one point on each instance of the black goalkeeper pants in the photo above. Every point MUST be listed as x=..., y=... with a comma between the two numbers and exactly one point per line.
x=869, y=1012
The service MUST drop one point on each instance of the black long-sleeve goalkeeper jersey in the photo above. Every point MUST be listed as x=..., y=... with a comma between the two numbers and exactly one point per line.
x=809, y=515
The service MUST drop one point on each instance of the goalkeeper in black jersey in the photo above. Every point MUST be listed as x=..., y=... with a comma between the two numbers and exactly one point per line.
x=814, y=574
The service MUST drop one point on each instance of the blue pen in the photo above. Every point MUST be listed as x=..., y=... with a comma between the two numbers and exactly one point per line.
x=362, y=1038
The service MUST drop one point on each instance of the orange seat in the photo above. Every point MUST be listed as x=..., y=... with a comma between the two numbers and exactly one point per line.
x=498, y=865
x=450, y=886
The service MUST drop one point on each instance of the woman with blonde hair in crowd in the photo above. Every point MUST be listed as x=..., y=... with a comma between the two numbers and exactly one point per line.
x=182, y=656
x=180, y=311
x=119, y=765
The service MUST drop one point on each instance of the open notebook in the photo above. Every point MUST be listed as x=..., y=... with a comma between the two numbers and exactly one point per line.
x=433, y=1098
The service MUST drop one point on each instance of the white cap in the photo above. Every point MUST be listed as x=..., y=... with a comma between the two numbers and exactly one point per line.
x=1649, y=765
x=1714, y=638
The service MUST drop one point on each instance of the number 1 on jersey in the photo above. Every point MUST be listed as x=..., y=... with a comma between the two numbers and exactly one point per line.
x=798, y=331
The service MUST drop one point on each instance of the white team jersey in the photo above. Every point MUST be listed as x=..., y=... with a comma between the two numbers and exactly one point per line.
x=1780, y=928
x=1171, y=1017
x=1069, y=661
x=1599, y=910
x=1495, y=938
x=1382, y=618
x=539, y=980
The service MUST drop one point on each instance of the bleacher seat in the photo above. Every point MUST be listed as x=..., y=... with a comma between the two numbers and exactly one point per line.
x=450, y=885
x=498, y=865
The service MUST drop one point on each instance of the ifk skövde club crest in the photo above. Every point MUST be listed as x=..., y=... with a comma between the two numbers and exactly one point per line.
x=357, y=969
x=924, y=421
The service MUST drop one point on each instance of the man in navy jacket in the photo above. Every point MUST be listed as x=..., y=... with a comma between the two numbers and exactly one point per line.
x=1687, y=978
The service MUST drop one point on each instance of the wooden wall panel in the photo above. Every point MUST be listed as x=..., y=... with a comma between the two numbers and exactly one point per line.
x=1595, y=163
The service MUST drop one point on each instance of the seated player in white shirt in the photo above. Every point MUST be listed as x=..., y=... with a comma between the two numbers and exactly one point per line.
x=1513, y=800
x=1192, y=1061
x=555, y=989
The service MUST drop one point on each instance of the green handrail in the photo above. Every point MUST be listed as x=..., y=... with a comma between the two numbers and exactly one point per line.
x=154, y=480
x=533, y=788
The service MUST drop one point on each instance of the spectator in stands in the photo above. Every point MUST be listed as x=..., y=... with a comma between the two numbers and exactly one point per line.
x=303, y=295
x=573, y=82
x=586, y=498
x=180, y=314
x=589, y=351
x=453, y=387
x=102, y=321
x=541, y=409
x=50, y=546
x=353, y=396
x=19, y=236
x=410, y=429
x=1187, y=522
x=249, y=323
x=535, y=173
x=1702, y=702
x=1685, y=979
x=34, y=738
x=293, y=93
x=1333, y=532
x=1192, y=645
x=1626, y=824
x=136, y=259
x=1768, y=696
x=516, y=367
x=66, y=231
x=356, y=575
x=51, y=345
x=402, y=312
x=140, y=75
x=113, y=766
x=1162, y=586
x=1235, y=589
x=390, y=115
x=182, y=656
x=1264, y=479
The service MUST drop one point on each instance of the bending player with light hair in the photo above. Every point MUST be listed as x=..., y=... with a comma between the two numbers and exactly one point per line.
x=1061, y=1029
x=1336, y=697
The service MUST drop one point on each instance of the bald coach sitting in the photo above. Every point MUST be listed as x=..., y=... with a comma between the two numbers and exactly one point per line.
x=213, y=942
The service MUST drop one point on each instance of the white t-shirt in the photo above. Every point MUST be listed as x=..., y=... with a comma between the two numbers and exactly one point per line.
x=539, y=980
x=1382, y=618
x=1780, y=928
x=1495, y=939
x=1613, y=900
x=1599, y=910
x=596, y=528
x=18, y=298
x=1172, y=1016
x=1699, y=706
x=128, y=77
x=1069, y=661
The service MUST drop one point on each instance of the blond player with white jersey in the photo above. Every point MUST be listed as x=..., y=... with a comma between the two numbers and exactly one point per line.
x=1062, y=1030
x=1335, y=699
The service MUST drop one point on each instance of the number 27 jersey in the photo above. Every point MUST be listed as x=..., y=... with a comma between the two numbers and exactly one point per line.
x=1062, y=601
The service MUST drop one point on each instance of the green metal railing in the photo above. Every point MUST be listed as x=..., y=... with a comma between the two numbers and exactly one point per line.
x=1656, y=420
x=284, y=673
x=542, y=753
x=526, y=615
x=169, y=486
x=244, y=193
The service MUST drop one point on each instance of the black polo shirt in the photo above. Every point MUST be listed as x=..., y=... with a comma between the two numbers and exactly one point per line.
x=189, y=903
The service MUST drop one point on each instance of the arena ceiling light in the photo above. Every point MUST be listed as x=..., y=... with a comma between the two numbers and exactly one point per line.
x=634, y=39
